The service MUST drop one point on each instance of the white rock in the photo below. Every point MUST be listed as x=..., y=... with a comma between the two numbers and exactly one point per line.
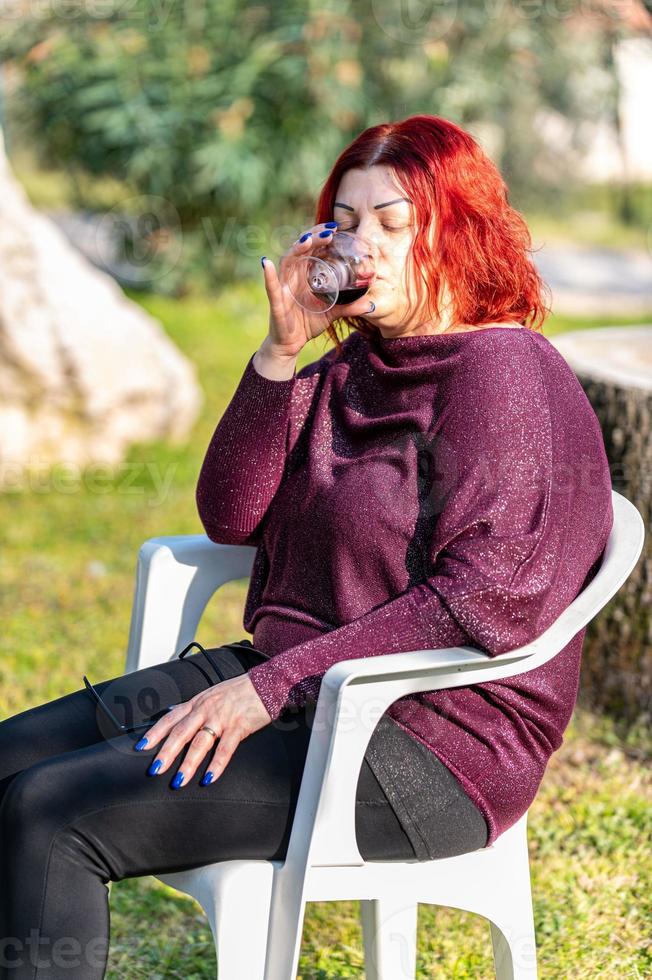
x=84, y=371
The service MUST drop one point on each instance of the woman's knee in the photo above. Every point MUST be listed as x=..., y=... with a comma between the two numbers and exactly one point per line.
x=41, y=799
x=25, y=817
x=45, y=730
x=44, y=818
x=23, y=742
x=20, y=738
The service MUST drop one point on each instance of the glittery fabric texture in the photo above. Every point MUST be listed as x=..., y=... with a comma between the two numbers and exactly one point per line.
x=429, y=802
x=415, y=493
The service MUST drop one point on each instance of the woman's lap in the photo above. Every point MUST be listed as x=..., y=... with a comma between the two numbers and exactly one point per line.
x=75, y=766
x=78, y=809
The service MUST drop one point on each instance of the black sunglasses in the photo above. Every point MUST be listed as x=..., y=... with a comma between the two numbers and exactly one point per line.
x=112, y=718
x=144, y=724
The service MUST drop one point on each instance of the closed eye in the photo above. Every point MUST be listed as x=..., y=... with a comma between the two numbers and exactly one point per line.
x=386, y=227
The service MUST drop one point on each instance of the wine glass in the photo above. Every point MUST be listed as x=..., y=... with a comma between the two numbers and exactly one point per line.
x=335, y=272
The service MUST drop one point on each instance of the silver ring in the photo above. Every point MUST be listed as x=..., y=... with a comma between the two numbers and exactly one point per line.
x=205, y=728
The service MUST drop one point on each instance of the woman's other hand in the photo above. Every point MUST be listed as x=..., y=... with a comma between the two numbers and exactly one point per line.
x=290, y=326
x=231, y=708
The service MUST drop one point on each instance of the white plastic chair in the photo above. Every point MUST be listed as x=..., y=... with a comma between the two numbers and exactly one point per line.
x=256, y=908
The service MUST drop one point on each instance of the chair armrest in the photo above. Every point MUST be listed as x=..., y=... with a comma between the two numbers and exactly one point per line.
x=175, y=578
x=353, y=695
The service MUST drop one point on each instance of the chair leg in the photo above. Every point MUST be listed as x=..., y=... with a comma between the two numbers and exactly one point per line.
x=236, y=903
x=515, y=954
x=510, y=911
x=285, y=931
x=389, y=934
x=241, y=926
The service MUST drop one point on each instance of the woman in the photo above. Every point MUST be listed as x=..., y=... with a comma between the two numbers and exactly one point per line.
x=437, y=479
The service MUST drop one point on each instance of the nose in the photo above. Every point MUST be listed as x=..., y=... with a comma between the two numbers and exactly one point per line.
x=368, y=231
x=367, y=228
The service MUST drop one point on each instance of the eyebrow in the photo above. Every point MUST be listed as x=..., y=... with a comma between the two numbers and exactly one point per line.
x=338, y=204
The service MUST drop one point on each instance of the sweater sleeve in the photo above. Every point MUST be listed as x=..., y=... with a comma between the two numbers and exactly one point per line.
x=495, y=546
x=245, y=460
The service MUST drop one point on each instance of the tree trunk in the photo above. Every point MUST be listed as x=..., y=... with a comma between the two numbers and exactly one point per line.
x=614, y=367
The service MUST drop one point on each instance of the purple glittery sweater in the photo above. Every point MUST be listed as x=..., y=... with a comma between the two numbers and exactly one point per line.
x=415, y=493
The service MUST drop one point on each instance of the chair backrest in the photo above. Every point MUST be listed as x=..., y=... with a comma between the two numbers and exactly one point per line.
x=473, y=666
x=621, y=553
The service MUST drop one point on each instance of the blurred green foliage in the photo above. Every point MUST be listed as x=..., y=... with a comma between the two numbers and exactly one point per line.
x=227, y=116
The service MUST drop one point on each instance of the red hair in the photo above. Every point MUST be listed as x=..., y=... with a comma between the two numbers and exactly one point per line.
x=481, y=243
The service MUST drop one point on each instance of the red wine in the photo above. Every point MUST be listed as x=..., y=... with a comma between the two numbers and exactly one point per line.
x=345, y=296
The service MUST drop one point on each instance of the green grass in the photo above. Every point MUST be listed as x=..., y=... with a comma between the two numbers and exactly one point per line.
x=66, y=587
x=589, y=215
x=597, y=228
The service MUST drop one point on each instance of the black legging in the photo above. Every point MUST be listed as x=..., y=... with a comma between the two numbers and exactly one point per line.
x=78, y=810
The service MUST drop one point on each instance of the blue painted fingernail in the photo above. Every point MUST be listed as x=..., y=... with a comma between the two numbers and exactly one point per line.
x=178, y=779
x=155, y=766
x=142, y=743
x=332, y=224
x=262, y=261
x=304, y=237
x=323, y=234
x=372, y=307
x=206, y=779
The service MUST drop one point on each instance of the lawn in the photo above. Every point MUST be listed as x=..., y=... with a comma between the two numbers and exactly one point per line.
x=66, y=587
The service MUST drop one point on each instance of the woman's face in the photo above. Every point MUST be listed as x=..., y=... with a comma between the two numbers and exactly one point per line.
x=371, y=203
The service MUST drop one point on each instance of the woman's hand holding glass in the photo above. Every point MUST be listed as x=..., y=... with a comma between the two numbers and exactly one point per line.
x=290, y=325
